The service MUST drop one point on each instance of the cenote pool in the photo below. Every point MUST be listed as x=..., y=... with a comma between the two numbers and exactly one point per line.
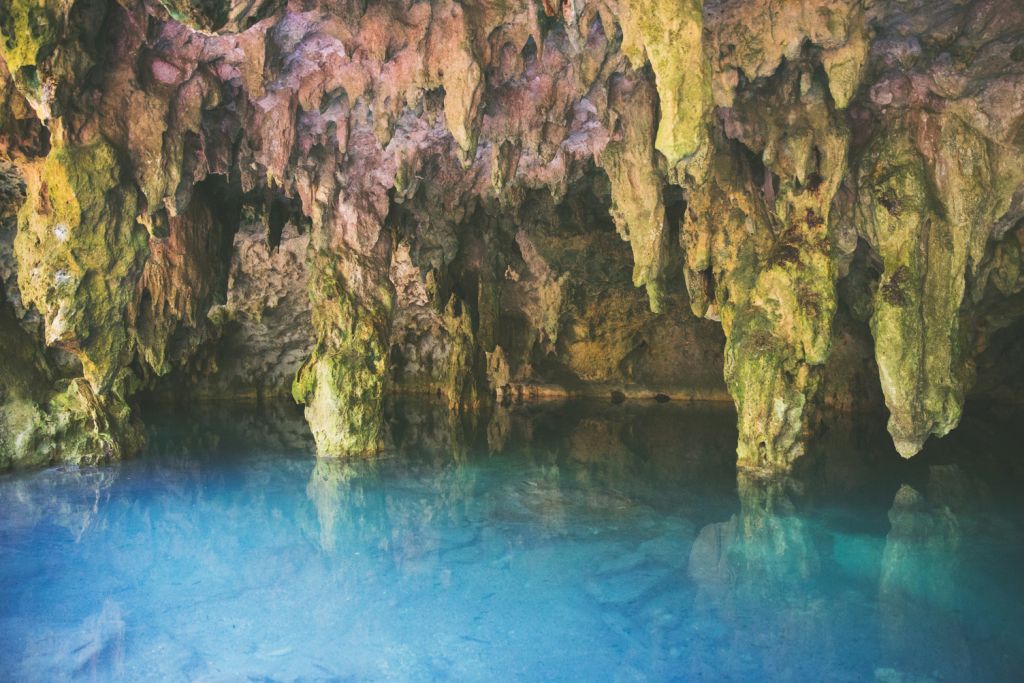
x=571, y=542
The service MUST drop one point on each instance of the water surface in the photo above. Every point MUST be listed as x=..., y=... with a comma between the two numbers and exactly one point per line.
x=574, y=542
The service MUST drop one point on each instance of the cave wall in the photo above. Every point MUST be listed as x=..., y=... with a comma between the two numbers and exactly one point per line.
x=808, y=206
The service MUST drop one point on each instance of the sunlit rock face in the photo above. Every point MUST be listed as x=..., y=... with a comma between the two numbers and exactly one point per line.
x=806, y=206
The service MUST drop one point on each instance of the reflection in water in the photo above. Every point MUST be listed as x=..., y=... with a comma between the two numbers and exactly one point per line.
x=336, y=487
x=759, y=572
x=919, y=568
x=69, y=498
x=765, y=547
x=795, y=577
x=572, y=541
x=933, y=592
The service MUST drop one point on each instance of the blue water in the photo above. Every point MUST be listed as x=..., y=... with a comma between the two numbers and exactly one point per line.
x=577, y=542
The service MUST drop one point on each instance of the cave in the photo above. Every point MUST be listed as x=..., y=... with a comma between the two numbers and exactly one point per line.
x=529, y=340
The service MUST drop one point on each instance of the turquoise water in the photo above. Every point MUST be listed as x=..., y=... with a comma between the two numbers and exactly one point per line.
x=577, y=542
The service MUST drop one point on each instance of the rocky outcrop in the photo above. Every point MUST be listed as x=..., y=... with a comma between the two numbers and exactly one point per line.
x=638, y=198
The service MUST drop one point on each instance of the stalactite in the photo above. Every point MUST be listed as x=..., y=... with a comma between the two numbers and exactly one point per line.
x=343, y=382
x=760, y=161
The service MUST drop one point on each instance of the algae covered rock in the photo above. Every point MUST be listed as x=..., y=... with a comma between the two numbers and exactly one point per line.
x=80, y=252
x=759, y=256
x=45, y=420
x=46, y=417
x=25, y=380
x=342, y=384
x=449, y=195
x=670, y=35
x=924, y=221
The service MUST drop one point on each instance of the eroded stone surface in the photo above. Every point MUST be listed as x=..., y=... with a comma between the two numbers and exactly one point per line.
x=446, y=179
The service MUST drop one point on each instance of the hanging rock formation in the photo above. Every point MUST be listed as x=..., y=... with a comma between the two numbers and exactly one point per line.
x=792, y=201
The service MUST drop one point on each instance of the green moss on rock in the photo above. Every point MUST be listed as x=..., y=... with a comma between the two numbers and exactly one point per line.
x=28, y=28
x=928, y=218
x=342, y=384
x=79, y=254
x=43, y=421
x=669, y=34
x=759, y=256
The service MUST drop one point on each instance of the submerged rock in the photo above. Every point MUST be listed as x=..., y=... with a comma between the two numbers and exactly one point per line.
x=511, y=200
